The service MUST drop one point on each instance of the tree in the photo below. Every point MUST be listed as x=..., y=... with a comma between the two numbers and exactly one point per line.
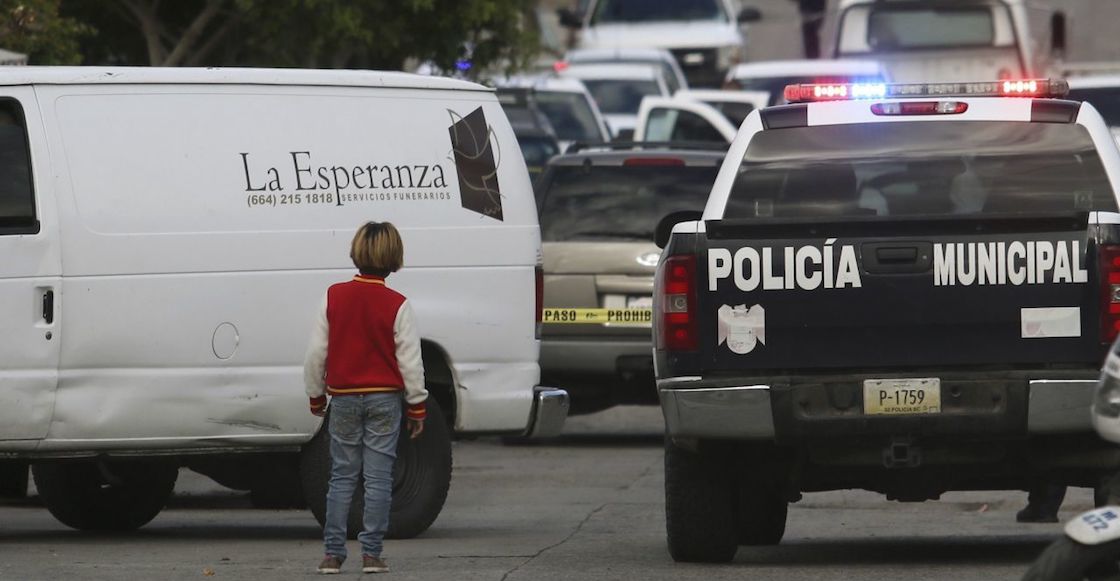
x=376, y=34
x=36, y=28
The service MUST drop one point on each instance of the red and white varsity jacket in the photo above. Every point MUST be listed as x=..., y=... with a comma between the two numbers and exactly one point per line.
x=364, y=341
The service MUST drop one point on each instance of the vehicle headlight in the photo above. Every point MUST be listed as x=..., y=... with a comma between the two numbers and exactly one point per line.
x=1106, y=403
x=728, y=56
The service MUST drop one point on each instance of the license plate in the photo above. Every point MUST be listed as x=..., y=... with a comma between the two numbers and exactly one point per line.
x=902, y=396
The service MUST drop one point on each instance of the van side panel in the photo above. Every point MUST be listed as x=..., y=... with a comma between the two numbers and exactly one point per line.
x=202, y=225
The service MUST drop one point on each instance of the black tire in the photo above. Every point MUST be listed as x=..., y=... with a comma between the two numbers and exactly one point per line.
x=699, y=506
x=13, y=480
x=421, y=478
x=760, y=515
x=123, y=497
x=1068, y=560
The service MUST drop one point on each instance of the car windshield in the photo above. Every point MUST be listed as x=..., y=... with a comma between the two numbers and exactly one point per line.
x=570, y=114
x=588, y=202
x=630, y=11
x=952, y=168
x=892, y=28
x=620, y=96
x=537, y=150
x=1103, y=99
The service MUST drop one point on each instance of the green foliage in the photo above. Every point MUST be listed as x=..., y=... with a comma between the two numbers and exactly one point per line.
x=373, y=34
x=35, y=28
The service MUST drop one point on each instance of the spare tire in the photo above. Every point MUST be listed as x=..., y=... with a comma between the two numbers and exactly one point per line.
x=421, y=478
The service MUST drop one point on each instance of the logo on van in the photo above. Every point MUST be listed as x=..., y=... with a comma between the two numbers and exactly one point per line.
x=473, y=141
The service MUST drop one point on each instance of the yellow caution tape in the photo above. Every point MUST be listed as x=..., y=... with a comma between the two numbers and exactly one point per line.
x=592, y=316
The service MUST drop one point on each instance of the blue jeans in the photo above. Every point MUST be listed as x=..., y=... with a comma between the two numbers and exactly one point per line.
x=364, y=430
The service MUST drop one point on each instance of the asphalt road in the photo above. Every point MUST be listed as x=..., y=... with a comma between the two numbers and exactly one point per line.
x=587, y=506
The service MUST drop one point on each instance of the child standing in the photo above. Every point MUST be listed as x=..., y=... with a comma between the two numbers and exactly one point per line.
x=365, y=353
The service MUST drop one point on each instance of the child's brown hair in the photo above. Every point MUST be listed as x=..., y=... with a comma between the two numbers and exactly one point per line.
x=377, y=249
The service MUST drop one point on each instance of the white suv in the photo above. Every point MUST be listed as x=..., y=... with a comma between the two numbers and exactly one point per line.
x=705, y=36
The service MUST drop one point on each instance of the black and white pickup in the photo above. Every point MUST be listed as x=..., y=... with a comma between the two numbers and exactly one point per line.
x=907, y=289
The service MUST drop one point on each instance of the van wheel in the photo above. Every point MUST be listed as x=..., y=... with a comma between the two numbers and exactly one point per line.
x=13, y=480
x=118, y=496
x=699, y=502
x=421, y=478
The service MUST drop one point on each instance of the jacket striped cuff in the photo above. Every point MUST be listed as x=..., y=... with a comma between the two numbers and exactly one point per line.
x=417, y=411
x=318, y=403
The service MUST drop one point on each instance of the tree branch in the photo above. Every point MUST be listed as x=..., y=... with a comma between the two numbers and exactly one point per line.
x=211, y=43
x=193, y=32
x=145, y=15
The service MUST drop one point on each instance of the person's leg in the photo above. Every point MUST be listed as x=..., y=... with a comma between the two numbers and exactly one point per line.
x=810, y=35
x=345, y=425
x=1043, y=501
x=382, y=427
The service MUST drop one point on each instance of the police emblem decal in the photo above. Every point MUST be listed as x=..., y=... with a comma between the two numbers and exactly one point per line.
x=741, y=327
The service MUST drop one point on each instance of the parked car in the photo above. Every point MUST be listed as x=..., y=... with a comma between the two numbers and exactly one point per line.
x=565, y=103
x=1103, y=92
x=670, y=68
x=598, y=209
x=705, y=36
x=773, y=76
x=703, y=115
x=618, y=90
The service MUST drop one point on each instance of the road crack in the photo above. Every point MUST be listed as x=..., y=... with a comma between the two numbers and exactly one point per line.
x=574, y=532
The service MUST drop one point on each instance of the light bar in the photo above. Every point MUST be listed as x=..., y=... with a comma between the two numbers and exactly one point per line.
x=1041, y=88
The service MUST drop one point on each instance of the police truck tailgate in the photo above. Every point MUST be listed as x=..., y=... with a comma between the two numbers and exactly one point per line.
x=922, y=294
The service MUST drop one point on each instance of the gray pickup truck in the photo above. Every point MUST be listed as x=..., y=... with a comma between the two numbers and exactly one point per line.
x=907, y=289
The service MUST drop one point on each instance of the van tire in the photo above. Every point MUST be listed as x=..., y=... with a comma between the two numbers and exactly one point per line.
x=699, y=502
x=421, y=478
x=123, y=497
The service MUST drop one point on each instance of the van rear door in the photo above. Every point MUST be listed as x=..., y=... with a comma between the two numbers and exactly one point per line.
x=29, y=272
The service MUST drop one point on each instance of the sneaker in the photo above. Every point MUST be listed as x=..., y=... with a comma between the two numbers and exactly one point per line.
x=374, y=565
x=331, y=565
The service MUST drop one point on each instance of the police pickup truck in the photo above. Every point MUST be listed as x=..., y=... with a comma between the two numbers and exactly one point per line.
x=907, y=289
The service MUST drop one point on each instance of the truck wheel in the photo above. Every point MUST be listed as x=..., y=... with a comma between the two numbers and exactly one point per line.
x=123, y=496
x=699, y=502
x=761, y=516
x=1068, y=560
x=421, y=478
x=13, y=480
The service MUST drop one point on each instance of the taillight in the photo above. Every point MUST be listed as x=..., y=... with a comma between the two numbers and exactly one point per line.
x=676, y=288
x=540, y=299
x=1109, y=257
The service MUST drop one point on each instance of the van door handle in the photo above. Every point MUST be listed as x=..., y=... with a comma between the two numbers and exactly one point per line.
x=48, y=307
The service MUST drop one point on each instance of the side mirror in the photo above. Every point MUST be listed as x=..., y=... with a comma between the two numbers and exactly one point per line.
x=569, y=19
x=749, y=14
x=665, y=226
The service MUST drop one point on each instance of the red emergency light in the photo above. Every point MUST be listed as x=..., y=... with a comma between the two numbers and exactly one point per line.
x=1040, y=88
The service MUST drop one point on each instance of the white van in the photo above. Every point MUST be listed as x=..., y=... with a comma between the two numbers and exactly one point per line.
x=167, y=235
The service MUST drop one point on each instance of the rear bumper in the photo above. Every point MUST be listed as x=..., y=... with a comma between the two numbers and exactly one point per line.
x=701, y=409
x=550, y=409
x=592, y=356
